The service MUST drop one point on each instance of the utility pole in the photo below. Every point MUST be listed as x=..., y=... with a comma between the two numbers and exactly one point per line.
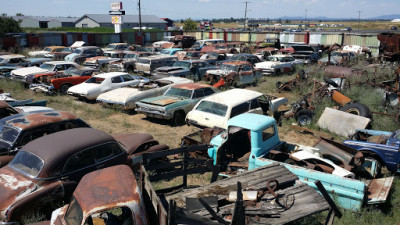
x=305, y=19
x=140, y=18
x=245, y=15
x=359, y=12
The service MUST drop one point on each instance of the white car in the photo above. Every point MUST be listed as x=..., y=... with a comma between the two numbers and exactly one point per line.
x=127, y=97
x=27, y=74
x=101, y=83
x=314, y=158
x=47, y=50
x=215, y=111
x=10, y=60
x=278, y=64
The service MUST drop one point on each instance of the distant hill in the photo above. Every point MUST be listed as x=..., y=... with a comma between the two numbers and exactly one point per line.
x=386, y=17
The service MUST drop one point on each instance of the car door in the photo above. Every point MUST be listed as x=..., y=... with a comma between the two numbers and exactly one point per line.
x=245, y=75
x=79, y=164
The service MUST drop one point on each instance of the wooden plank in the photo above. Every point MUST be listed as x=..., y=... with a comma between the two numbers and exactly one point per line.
x=153, y=155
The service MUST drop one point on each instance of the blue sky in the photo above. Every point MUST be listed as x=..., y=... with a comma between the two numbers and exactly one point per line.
x=197, y=9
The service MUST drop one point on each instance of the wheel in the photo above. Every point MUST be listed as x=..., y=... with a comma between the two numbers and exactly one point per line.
x=278, y=84
x=178, y=118
x=358, y=109
x=278, y=72
x=331, y=82
x=64, y=89
x=304, y=117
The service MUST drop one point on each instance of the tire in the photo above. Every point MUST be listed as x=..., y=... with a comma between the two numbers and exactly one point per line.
x=278, y=84
x=64, y=89
x=278, y=72
x=178, y=119
x=358, y=109
x=304, y=117
x=331, y=82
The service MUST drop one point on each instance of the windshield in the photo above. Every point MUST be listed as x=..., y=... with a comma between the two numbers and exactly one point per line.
x=111, y=46
x=229, y=67
x=196, y=44
x=177, y=92
x=1, y=59
x=74, y=214
x=130, y=56
x=95, y=80
x=47, y=66
x=239, y=58
x=182, y=64
x=73, y=71
x=212, y=107
x=27, y=163
x=66, y=50
x=77, y=51
x=165, y=52
x=9, y=134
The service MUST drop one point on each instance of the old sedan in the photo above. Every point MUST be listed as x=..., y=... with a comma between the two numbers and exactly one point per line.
x=44, y=174
x=127, y=97
x=101, y=83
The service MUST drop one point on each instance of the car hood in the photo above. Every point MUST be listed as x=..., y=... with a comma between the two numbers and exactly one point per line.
x=28, y=70
x=220, y=72
x=118, y=95
x=170, y=68
x=161, y=100
x=13, y=186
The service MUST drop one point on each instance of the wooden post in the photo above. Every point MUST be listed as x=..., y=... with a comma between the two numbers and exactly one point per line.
x=185, y=158
x=334, y=211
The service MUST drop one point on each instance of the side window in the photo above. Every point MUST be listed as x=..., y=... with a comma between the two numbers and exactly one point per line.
x=62, y=126
x=116, y=79
x=254, y=103
x=120, y=215
x=60, y=67
x=267, y=133
x=98, y=51
x=32, y=135
x=127, y=78
x=15, y=60
x=79, y=160
x=246, y=68
x=106, y=151
x=239, y=109
x=198, y=93
x=208, y=91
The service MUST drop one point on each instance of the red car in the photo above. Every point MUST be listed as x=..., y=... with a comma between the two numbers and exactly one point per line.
x=53, y=82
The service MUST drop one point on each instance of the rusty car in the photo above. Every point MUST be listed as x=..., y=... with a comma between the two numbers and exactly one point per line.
x=127, y=63
x=19, y=129
x=45, y=172
x=234, y=73
x=50, y=83
x=176, y=102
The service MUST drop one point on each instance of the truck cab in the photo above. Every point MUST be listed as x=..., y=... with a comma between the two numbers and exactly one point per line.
x=252, y=141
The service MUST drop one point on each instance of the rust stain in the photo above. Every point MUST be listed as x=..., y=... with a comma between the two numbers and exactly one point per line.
x=38, y=119
x=191, y=86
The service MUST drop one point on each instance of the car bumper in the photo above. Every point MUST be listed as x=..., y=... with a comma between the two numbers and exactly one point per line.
x=154, y=113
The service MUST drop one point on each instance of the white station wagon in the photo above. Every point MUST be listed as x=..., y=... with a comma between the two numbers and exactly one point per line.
x=215, y=111
x=101, y=83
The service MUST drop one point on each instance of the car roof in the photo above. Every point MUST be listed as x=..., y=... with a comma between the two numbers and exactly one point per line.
x=237, y=63
x=233, y=97
x=55, y=148
x=12, y=56
x=107, y=187
x=242, y=120
x=30, y=120
x=191, y=86
x=59, y=62
x=111, y=74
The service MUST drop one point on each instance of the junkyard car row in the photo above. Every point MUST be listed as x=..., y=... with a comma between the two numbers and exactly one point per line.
x=49, y=157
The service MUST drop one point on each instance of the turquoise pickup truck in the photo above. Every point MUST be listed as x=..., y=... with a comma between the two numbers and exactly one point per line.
x=252, y=141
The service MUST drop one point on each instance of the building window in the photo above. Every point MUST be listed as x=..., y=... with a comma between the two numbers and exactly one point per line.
x=84, y=25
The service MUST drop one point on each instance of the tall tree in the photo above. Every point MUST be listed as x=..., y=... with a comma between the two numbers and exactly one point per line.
x=9, y=25
x=189, y=24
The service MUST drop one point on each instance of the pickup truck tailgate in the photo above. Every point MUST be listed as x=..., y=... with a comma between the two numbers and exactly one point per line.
x=379, y=190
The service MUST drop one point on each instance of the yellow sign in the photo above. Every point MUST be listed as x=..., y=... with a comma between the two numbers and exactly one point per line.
x=116, y=20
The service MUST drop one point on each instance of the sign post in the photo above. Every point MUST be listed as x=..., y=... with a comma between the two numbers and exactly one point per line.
x=116, y=16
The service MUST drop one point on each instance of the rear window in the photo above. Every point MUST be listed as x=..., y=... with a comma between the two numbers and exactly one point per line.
x=95, y=80
x=212, y=107
x=27, y=163
x=9, y=134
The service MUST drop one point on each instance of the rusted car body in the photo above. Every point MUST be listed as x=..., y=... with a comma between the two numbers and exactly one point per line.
x=234, y=73
x=46, y=171
x=127, y=63
x=389, y=48
x=119, y=192
x=101, y=62
x=184, y=41
x=17, y=130
x=53, y=82
x=343, y=72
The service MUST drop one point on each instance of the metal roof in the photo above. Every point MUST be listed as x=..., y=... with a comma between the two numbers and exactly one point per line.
x=258, y=122
x=47, y=19
x=105, y=18
x=233, y=97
